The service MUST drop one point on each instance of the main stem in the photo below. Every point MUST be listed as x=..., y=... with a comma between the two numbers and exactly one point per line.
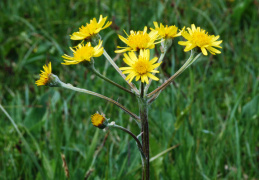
x=143, y=107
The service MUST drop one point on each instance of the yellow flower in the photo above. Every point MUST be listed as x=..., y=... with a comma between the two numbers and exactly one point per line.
x=91, y=29
x=166, y=31
x=98, y=120
x=198, y=37
x=83, y=53
x=140, y=67
x=45, y=75
x=138, y=40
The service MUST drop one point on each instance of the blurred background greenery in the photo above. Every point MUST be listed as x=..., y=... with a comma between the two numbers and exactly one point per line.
x=211, y=111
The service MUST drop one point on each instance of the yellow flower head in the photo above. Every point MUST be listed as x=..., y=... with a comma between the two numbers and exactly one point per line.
x=198, y=37
x=83, y=53
x=138, y=40
x=140, y=67
x=166, y=31
x=98, y=120
x=45, y=75
x=91, y=29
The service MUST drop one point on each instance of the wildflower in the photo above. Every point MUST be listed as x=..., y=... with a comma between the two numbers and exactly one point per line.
x=91, y=29
x=140, y=67
x=166, y=31
x=45, y=75
x=138, y=40
x=98, y=120
x=83, y=53
x=198, y=37
x=47, y=78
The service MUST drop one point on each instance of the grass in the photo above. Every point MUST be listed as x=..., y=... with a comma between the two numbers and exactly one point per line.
x=211, y=111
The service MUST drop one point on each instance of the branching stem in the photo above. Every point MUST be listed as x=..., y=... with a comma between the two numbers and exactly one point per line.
x=186, y=65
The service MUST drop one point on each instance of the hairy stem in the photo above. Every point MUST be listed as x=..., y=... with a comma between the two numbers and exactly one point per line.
x=69, y=86
x=119, y=71
x=186, y=65
x=143, y=111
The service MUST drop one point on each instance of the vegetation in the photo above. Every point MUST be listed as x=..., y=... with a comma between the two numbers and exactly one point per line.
x=210, y=113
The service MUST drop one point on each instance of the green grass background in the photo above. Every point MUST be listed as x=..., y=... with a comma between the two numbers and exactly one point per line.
x=215, y=102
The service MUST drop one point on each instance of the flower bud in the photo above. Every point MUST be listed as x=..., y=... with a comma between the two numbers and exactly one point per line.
x=53, y=81
x=98, y=120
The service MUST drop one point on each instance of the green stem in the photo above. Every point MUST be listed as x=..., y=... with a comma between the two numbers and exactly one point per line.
x=186, y=65
x=159, y=61
x=69, y=86
x=153, y=98
x=119, y=71
x=110, y=81
x=131, y=134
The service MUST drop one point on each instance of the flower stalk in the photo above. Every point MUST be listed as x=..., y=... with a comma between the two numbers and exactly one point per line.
x=159, y=61
x=112, y=124
x=133, y=87
x=186, y=65
x=92, y=68
x=70, y=87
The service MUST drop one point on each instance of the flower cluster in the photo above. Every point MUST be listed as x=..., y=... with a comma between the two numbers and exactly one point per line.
x=140, y=42
x=82, y=52
x=140, y=66
x=85, y=52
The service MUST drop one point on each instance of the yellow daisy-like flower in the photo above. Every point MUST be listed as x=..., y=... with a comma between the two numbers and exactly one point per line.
x=140, y=67
x=198, y=37
x=98, y=120
x=138, y=40
x=45, y=75
x=91, y=29
x=83, y=53
x=166, y=31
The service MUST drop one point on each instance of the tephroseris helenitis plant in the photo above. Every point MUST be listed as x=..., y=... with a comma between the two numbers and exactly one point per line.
x=139, y=66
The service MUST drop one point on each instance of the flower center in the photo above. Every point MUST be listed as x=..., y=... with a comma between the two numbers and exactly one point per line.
x=142, y=66
x=139, y=41
x=46, y=78
x=84, y=53
x=200, y=38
